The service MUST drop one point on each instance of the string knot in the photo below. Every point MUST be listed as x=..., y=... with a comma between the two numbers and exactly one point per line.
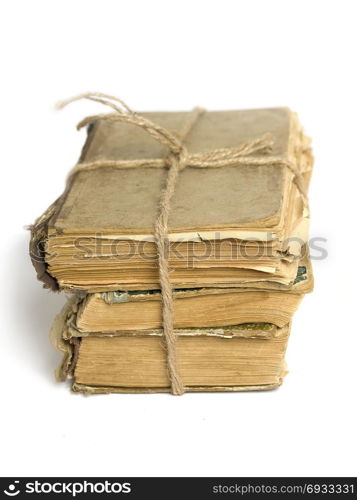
x=183, y=158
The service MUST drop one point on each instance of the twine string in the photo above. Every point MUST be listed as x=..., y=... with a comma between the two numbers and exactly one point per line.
x=177, y=159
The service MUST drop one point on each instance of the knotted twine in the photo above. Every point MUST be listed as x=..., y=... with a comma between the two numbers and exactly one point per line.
x=177, y=159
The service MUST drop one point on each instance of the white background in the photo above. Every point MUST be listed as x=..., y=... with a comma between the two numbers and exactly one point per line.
x=175, y=55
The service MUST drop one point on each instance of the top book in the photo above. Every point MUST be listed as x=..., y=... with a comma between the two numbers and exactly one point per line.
x=82, y=241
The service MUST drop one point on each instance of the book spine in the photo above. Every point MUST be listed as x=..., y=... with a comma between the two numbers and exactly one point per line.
x=39, y=230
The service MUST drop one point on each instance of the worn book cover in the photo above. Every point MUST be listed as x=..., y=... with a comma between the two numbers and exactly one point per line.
x=228, y=226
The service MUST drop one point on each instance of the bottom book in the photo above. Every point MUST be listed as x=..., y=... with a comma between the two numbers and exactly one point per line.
x=243, y=357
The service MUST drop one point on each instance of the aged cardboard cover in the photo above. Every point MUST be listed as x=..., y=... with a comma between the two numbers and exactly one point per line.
x=259, y=203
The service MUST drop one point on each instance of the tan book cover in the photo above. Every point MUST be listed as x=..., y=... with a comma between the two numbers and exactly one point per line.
x=254, y=208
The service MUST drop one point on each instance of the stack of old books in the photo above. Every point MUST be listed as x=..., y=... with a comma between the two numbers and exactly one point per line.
x=236, y=251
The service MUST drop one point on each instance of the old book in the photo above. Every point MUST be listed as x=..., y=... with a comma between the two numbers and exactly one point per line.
x=119, y=364
x=236, y=358
x=237, y=225
x=202, y=300
x=200, y=307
